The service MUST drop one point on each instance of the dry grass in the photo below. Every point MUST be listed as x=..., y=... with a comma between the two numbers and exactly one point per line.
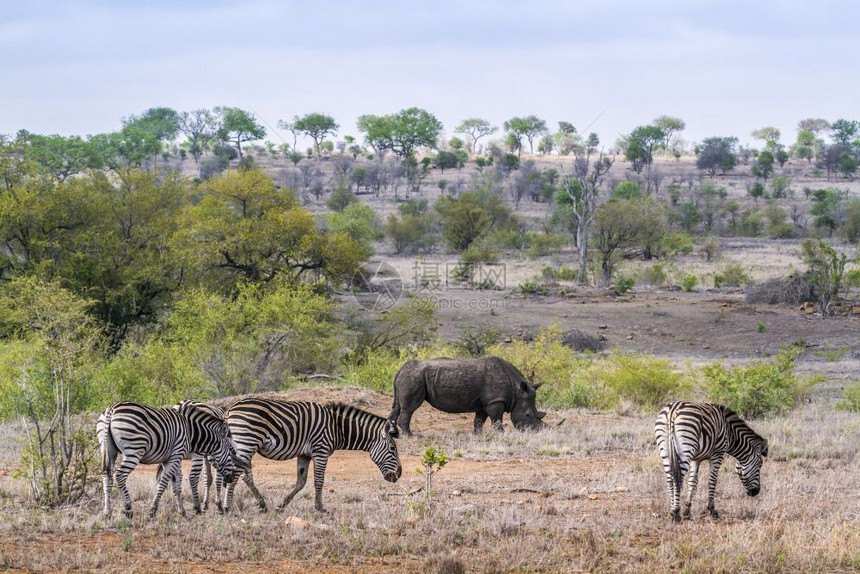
x=587, y=496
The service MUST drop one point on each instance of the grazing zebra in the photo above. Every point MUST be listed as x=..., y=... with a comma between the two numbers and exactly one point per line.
x=281, y=430
x=689, y=433
x=151, y=436
x=199, y=463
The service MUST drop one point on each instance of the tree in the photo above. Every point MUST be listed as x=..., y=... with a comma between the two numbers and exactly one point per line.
x=826, y=269
x=583, y=187
x=717, y=154
x=476, y=128
x=770, y=135
x=403, y=134
x=317, y=127
x=200, y=128
x=238, y=126
x=529, y=127
x=616, y=225
x=826, y=209
x=804, y=148
x=57, y=155
x=843, y=131
x=815, y=125
x=763, y=167
x=471, y=216
x=670, y=127
x=641, y=144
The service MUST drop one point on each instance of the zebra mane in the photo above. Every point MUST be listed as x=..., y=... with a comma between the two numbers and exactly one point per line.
x=739, y=426
x=345, y=411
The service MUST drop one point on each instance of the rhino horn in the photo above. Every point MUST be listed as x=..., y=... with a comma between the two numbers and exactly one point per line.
x=558, y=424
x=541, y=414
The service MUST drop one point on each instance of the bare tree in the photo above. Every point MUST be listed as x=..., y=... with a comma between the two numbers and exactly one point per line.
x=583, y=186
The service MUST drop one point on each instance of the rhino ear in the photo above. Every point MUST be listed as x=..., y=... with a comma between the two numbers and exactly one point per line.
x=524, y=386
x=537, y=385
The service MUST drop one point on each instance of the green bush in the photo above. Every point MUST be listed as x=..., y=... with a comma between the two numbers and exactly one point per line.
x=732, y=275
x=642, y=380
x=547, y=360
x=533, y=287
x=676, y=244
x=759, y=388
x=689, y=282
x=654, y=275
x=624, y=284
x=850, y=399
x=377, y=368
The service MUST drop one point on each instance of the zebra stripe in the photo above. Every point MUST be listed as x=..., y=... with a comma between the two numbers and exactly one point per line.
x=689, y=433
x=200, y=462
x=281, y=430
x=159, y=436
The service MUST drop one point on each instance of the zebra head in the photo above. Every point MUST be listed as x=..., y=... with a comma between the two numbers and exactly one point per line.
x=383, y=452
x=210, y=435
x=749, y=468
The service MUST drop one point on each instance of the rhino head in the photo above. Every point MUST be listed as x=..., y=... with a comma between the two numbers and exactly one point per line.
x=525, y=415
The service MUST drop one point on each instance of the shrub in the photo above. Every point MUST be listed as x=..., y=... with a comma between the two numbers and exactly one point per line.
x=624, y=284
x=547, y=360
x=759, y=388
x=791, y=290
x=643, y=380
x=689, y=282
x=850, y=399
x=732, y=275
x=533, y=287
x=376, y=368
x=340, y=199
x=654, y=275
x=676, y=244
x=540, y=245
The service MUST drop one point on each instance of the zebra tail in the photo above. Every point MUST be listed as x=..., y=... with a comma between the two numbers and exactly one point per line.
x=674, y=456
x=106, y=442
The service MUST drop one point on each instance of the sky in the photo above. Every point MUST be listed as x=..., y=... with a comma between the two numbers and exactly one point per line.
x=725, y=68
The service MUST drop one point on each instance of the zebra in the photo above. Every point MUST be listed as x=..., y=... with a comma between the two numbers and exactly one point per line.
x=149, y=435
x=281, y=430
x=199, y=463
x=689, y=433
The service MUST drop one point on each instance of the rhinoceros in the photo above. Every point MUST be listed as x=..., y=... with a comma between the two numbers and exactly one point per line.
x=487, y=387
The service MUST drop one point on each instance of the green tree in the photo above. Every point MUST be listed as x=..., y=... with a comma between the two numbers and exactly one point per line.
x=616, y=225
x=529, y=127
x=804, y=148
x=763, y=167
x=826, y=269
x=816, y=126
x=475, y=128
x=827, y=209
x=850, y=229
x=238, y=126
x=844, y=131
x=670, y=126
x=358, y=222
x=770, y=135
x=470, y=216
x=641, y=144
x=59, y=156
x=200, y=128
x=316, y=126
x=717, y=154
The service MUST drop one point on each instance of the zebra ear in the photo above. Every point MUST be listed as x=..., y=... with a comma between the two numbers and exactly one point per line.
x=764, y=449
x=393, y=431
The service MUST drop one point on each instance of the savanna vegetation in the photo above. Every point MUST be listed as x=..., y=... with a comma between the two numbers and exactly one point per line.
x=185, y=257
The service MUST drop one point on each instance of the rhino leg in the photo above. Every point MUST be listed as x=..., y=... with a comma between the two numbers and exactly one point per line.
x=495, y=412
x=480, y=418
x=403, y=422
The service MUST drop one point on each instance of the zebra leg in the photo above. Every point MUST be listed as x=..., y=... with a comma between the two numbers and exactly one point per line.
x=170, y=467
x=480, y=419
x=320, y=462
x=208, y=468
x=249, y=480
x=713, y=475
x=693, y=482
x=302, y=464
x=194, y=481
x=129, y=462
x=177, y=488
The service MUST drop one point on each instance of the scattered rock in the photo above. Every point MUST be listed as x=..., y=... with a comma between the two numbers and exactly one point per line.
x=603, y=326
